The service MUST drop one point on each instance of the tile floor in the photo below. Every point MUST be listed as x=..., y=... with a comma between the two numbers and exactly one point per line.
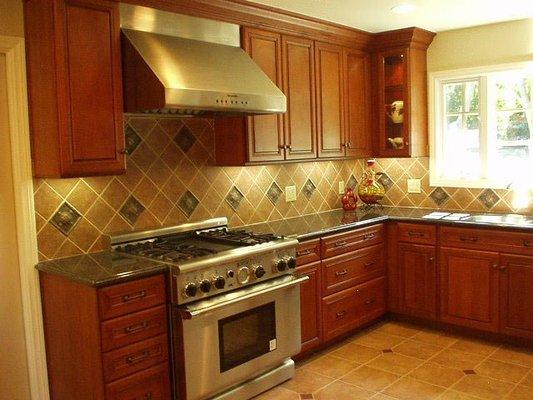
x=398, y=361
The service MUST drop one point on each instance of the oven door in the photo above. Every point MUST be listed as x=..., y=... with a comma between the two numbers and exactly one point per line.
x=239, y=335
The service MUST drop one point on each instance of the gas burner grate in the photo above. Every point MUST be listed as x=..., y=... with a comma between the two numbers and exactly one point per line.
x=166, y=249
x=237, y=237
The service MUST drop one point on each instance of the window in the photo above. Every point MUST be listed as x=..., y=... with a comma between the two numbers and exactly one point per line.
x=482, y=127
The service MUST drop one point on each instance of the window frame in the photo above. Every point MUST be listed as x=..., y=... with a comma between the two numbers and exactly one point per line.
x=436, y=105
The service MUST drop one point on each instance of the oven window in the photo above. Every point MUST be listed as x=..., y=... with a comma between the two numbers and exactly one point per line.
x=245, y=336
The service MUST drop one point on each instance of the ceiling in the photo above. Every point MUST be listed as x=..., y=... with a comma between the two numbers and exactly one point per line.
x=434, y=15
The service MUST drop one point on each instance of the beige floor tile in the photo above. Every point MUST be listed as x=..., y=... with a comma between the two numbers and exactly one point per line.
x=435, y=337
x=379, y=341
x=477, y=347
x=514, y=355
x=528, y=381
x=412, y=389
x=457, y=359
x=306, y=381
x=395, y=363
x=370, y=378
x=356, y=353
x=437, y=374
x=342, y=391
x=454, y=395
x=416, y=349
x=333, y=367
x=278, y=393
x=486, y=388
x=520, y=393
x=500, y=370
x=398, y=329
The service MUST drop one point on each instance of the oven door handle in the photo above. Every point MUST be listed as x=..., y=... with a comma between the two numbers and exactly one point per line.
x=191, y=313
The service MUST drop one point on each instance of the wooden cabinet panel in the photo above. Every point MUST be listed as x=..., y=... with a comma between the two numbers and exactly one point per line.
x=357, y=103
x=299, y=87
x=265, y=132
x=311, y=318
x=469, y=288
x=308, y=252
x=516, y=295
x=329, y=100
x=151, y=384
x=417, y=233
x=418, y=280
x=345, y=242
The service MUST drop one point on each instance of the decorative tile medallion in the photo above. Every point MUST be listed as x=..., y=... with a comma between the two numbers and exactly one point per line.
x=274, y=192
x=352, y=182
x=385, y=180
x=184, y=139
x=387, y=350
x=306, y=396
x=65, y=218
x=469, y=372
x=188, y=203
x=234, y=198
x=131, y=210
x=489, y=198
x=439, y=196
x=309, y=188
x=132, y=140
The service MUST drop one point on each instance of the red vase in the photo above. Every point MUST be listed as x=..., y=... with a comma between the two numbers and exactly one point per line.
x=349, y=200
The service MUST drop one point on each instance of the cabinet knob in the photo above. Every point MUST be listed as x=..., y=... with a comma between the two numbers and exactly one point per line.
x=503, y=268
x=495, y=266
x=124, y=151
x=431, y=259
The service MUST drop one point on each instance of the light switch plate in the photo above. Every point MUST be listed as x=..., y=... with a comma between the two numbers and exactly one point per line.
x=342, y=187
x=413, y=186
x=290, y=193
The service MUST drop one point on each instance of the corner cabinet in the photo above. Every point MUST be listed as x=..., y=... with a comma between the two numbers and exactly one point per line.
x=400, y=99
x=74, y=87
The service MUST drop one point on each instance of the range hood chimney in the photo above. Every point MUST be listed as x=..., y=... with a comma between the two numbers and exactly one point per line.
x=177, y=64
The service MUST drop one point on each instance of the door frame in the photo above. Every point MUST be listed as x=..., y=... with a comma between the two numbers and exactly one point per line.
x=13, y=49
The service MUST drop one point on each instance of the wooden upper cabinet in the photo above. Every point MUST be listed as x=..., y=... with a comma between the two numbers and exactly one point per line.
x=75, y=87
x=329, y=100
x=357, y=103
x=265, y=132
x=299, y=87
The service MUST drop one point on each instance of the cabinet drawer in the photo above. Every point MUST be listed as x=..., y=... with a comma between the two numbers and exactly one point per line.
x=150, y=384
x=128, y=297
x=347, y=270
x=353, y=240
x=135, y=357
x=308, y=252
x=417, y=233
x=132, y=328
x=353, y=307
x=484, y=239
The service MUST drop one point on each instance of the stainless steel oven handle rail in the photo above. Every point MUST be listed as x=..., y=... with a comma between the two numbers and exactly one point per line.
x=190, y=312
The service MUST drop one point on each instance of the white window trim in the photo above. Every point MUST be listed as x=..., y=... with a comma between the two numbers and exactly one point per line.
x=435, y=105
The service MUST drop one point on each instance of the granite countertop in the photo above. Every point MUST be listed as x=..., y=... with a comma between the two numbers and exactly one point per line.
x=109, y=267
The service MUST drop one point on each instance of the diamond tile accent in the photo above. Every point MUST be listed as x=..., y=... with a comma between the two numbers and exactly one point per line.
x=352, y=182
x=234, y=198
x=131, y=210
x=308, y=188
x=469, y=372
x=185, y=139
x=387, y=350
x=306, y=396
x=188, y=203
x=439, y=196
x=489, y=198
x=274, y=193
x=65, y=218
x=386, y=181
x=132, y=140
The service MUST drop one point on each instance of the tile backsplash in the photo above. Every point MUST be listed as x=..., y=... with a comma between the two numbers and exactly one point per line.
x=171, y=179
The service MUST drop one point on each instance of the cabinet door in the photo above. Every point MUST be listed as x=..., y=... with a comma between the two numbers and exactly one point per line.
x=310, y=306
x=516, y=295
x=357, y=104
x=329, y=100
x=299, y=87
x=418, y=280
x=265, y=132
x=469, y=288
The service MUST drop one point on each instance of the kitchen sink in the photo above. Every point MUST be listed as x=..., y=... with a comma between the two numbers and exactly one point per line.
x=508, y=219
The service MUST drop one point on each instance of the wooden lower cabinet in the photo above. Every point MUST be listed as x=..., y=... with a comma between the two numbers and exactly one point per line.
x=311, y=325
x=150, y=384
x=418, y=280
x=469, y=288
x=516, y=295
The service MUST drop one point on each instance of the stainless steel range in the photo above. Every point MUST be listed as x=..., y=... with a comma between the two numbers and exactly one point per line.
x=236, y=306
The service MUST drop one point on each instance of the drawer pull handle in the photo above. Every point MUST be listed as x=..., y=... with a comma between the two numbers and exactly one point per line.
x=528, y=244
x=415, y=234
x=140, y=357
x=148, y=396
x=368, y=264
x=340, y=244
x=369, y=236
x=137, y=296
x=468, y=238
x=370, y=301
x=341, y=273
x=340, y=314
x=503, y=268
x=136, y=328
x=303, y=252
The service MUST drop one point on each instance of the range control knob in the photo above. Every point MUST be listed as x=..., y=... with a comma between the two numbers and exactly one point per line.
x=219, y=282
x=259, y=271
x=205, y=286
x=291, y=262
x=243, y=275
x=191, y=289
x=281, y=265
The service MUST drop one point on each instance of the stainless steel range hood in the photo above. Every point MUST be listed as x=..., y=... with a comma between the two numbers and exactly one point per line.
x=177, y=64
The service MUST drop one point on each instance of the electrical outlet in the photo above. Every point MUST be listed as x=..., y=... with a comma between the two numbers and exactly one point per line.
x=413, y=186
x=290, y=193
x=342, y=187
